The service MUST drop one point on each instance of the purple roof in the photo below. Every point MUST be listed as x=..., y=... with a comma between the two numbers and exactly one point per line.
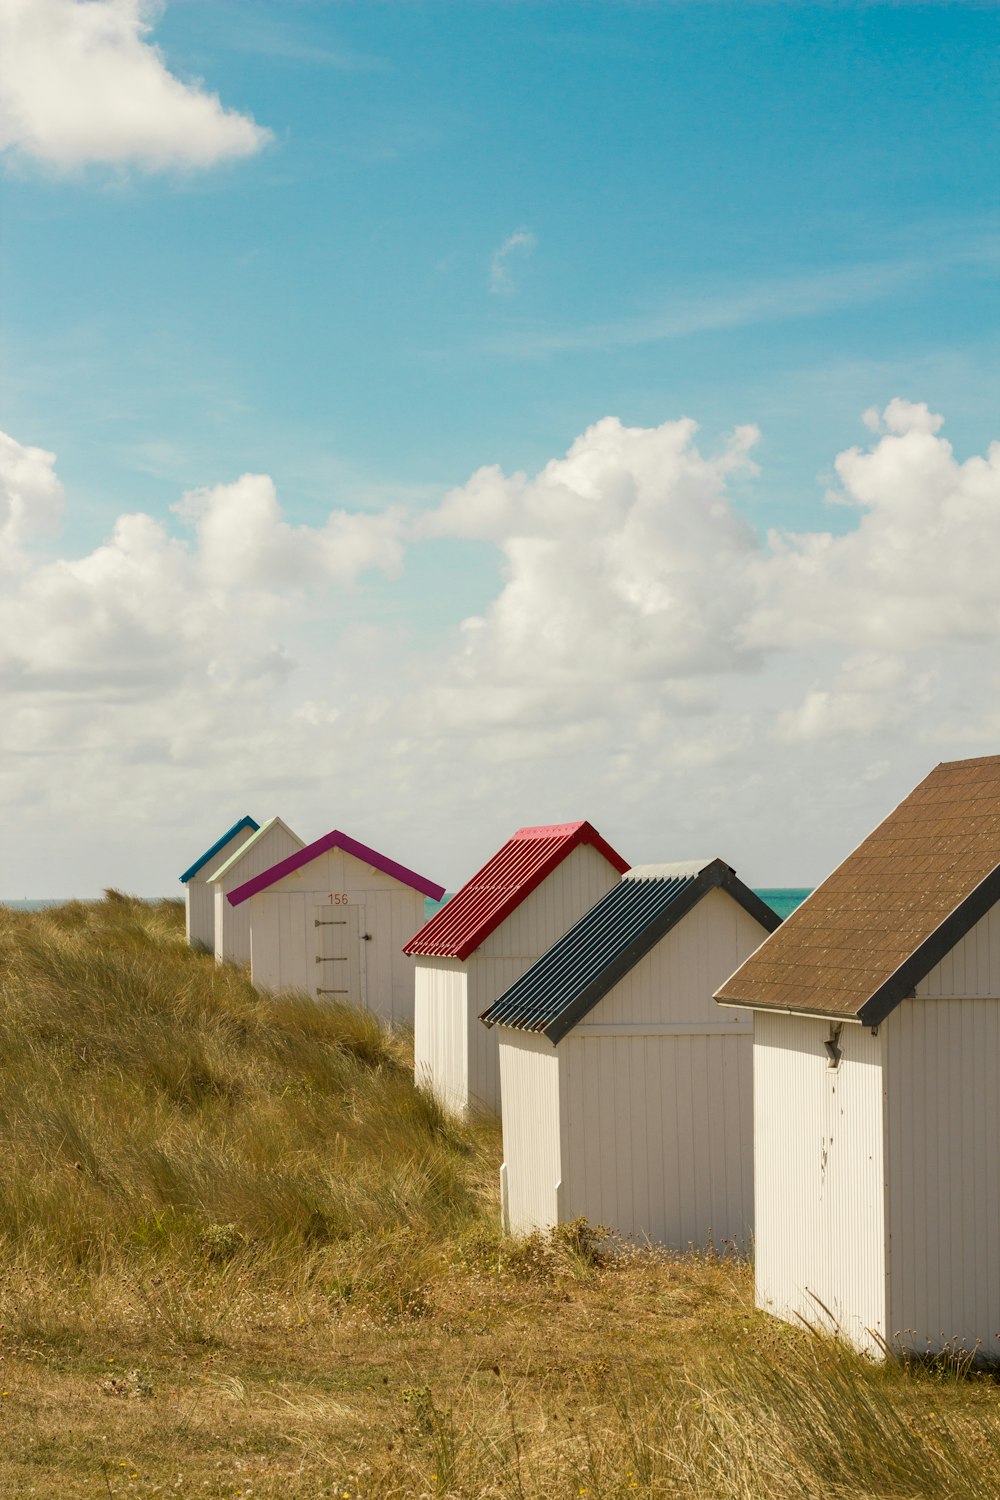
x=334, y=840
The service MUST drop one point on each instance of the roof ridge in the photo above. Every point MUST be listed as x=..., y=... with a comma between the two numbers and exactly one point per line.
x=891, y=909
x=565, y=983
x=254, y=838
x=245, y=822
x=507, y=878
x=335, y=839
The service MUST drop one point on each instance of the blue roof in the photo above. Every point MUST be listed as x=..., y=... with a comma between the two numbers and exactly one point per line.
x=192, y=870
x=577, y=971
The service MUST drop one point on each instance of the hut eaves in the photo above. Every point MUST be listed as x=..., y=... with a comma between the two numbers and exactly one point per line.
x=587, y=962
x=489, y=897
x=866, y=937
x=335, y=839
x=192, y=870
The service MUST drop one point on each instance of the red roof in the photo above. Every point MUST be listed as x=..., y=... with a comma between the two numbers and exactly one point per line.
x=501, y=885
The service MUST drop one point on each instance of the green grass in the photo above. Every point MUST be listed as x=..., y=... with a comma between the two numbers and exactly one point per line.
x=241, y=1255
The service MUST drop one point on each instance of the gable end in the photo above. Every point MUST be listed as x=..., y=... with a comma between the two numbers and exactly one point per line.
x=901, y=985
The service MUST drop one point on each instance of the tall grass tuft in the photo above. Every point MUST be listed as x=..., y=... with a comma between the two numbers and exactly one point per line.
x=155, y=1107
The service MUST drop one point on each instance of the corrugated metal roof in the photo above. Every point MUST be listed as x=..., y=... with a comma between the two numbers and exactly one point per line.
x=876, y=926
x=192, y=870
x=566, y=982
x=501, y=885
x=334, y=840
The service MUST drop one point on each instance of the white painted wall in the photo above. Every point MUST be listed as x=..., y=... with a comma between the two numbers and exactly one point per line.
x=820, y=1181
x=972, y=967
x=284, y=935
x=465, y=1072
x=659, y=1141
x=531, y=1175
x=654, y=1096
x=274, y=841
x=199, y=895
x=943, y=1153
x=440, y=1029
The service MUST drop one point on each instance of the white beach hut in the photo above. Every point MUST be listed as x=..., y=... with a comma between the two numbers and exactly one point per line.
x=626, y=1093
x=876, y=1015
x=330, y=920
x=501, y=920
x=199, y=902
x=274, y=840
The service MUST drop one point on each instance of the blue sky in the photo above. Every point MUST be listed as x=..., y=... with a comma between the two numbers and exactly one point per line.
x=475, y=231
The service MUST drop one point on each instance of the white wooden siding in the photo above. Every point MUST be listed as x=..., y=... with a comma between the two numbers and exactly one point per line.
x=658, y=1083
x=819, y=1186
x=972, y=967
x=653, y=1108
x=232, y=923
x=440, y=1029
x=455, y=1054
x=551, y=908
x=199, y=908
x=582, y=878
x=659, y=1136
x=943, y=1130
x=676, y=980
x=199, y=896
x=531, y=1175
x=282, y=918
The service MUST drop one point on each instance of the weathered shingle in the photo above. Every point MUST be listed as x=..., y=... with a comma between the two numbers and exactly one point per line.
x=876, y=926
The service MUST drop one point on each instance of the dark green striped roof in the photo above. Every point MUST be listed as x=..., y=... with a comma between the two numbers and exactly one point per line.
x=577, y=971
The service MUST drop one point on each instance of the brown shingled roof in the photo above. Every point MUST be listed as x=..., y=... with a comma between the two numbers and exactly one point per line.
x=876, y=926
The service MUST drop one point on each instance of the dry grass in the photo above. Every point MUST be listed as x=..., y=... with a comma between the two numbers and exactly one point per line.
x=240, y=1255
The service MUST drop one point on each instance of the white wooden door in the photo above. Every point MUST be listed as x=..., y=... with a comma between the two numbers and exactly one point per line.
x=339, y=957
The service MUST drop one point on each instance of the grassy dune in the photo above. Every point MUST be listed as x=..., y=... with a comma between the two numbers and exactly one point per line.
x=240, y=1255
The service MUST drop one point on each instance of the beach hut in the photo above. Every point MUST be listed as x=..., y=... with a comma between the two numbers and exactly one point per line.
x=199, y=902
x=876, y=1016
x=490, y=931
x=272, y=841
x=626, y=1093
x=330, y=920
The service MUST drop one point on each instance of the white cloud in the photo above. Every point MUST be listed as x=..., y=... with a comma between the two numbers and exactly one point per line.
x=516, y=246
x=920, y=567
x=646, y=659
x=31, y=497
x=244, y=542
x=81, y=82
x=605, y=554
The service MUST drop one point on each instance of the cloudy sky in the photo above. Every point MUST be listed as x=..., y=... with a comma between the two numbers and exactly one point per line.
x=428, y=418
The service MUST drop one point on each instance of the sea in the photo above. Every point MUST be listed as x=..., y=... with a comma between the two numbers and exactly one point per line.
x=782, y=899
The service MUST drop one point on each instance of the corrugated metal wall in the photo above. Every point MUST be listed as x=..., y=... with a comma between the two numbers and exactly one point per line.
x=819, y=1179
x=943, y=1118
x=199, y=902
x=441, y=1029
x=283, y=948
x=531, y=1174
x=232, y=923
